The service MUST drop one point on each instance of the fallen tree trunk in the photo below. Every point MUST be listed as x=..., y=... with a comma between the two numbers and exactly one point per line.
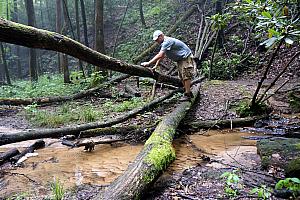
x=123, y=131
x=37, y=145
x=44, y=100
x=59, y=132
x=216, y=124
x=7, y=155
x=20, y=34
x=157, y=154
x=90, y=143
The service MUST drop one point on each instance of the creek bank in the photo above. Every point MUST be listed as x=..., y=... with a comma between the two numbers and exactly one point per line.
x=283, y=153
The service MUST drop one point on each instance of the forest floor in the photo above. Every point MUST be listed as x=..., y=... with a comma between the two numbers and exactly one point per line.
x=202, y=181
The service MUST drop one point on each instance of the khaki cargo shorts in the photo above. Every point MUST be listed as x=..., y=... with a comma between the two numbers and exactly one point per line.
x=187, y=68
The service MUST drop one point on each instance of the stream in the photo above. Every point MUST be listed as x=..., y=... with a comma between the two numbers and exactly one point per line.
x=74, y=167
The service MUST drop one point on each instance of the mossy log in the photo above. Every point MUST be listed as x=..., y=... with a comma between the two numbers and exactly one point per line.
x=8, y=154
x=157, y=154
x=75, y=130
x=46, y=100
x=28, y=36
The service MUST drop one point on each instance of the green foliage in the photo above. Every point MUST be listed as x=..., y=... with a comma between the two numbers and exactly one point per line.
x=292, y=184
x=244, y=109
x=6, y=7
x=158, y=15
x=263, y=192
x=57, y=190
x=124, y=105
x=65, y=114
x=77, y=77
x=220, y=20
x=232, y=183
x=223, y=69
x=273, y=20
x=46, y=86
x=294, y=101
x=95, y=79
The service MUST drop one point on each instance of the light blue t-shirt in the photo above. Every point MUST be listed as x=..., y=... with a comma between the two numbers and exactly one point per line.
x=175, y=49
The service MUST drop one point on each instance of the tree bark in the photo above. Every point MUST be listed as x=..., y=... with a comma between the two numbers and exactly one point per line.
x=32, y=52
x=123, y=131
x=19, y=34
x=157, y=154
x=99, y=31
x=7, y=155
x=142, y=13
x=7, y=76
x=78, y=33
x=16, y=19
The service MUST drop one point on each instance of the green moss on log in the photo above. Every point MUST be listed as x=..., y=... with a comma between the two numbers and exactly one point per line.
x=161, y=154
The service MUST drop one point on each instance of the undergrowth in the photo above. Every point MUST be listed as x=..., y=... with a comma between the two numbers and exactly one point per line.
x=47, y=85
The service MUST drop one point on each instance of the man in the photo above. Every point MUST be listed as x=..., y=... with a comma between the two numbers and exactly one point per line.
x=179, y=52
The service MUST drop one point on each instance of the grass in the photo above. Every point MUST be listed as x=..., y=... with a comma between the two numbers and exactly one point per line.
x=47, y=85
x=57, y=190
x=69, y=113
x=124, y=105
x=64, y=114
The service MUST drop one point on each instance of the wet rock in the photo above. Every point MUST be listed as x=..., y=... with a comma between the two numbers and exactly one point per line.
x=281, y=152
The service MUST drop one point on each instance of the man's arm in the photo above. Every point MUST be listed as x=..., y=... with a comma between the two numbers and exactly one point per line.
x=157, y=57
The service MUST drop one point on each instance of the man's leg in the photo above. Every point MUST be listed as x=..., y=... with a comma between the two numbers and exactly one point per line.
x=187, y=86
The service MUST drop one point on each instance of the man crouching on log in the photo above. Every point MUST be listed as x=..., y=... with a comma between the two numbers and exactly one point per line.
x=179, y=52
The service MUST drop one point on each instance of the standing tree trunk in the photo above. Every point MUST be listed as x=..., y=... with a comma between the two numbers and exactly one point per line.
x=220, y=36
x=59, y=29
x=32, y=52
x=99, y=29
x=120, y=26
x=85, y=34
x=64, y=61
x=142, y=13
x=5, y=64
x=78, y=32
x=15, y=18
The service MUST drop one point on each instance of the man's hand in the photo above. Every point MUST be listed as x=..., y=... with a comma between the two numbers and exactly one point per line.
x=145, y=64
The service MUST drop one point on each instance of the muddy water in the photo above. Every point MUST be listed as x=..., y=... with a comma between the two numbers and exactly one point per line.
x=75, y=167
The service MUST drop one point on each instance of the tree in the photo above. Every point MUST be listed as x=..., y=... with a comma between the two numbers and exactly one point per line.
x=142, y=13
x=15, y=18
x=78, y=31
x=5, y=64
x=32, y=52
x=11, y=32
x=62, y=59
x=99, y=28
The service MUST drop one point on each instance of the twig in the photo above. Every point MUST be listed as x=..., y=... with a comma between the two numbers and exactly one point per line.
x=20, y=174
